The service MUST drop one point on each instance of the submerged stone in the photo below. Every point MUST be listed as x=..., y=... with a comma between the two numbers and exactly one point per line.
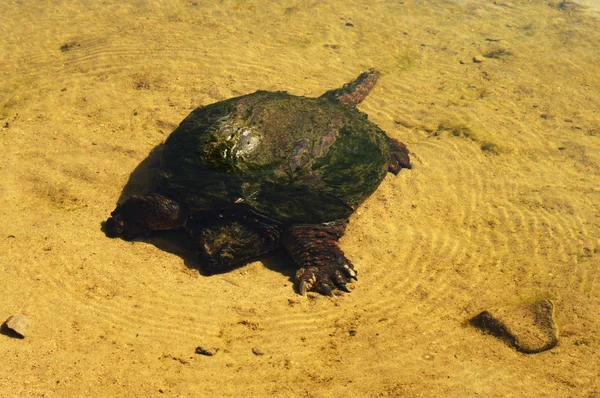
x=18, y=324
x=530, y=328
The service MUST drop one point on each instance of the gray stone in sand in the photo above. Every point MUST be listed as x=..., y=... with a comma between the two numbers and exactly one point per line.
x=18, y=323
x=530, y=328
x=206, y=351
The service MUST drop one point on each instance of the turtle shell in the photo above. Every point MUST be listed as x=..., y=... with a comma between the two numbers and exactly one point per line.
x=290, y=158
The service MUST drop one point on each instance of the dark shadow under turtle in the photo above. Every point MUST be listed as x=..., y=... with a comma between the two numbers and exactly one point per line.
x=251, y=174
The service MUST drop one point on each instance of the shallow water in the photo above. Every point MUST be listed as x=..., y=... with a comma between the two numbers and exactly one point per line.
x=498, y=103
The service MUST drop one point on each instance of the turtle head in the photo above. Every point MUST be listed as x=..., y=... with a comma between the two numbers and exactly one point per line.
x=140, y=215
x=114, y=227
x=118, y=226
x=122, y=221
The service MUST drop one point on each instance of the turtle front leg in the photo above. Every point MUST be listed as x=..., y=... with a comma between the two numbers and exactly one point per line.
x=399, y=158
x=229, y=238
x=140, y=215
x=322, y=264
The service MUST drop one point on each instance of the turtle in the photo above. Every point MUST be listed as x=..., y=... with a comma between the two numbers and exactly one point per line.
x=248, y=175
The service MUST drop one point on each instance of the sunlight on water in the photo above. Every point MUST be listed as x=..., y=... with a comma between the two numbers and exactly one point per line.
x=497, y=102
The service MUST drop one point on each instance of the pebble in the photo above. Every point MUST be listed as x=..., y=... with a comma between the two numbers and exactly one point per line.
x=208, y=351
x=530, y=328
x=257, y=351
x=18, y=323
x=478, y=59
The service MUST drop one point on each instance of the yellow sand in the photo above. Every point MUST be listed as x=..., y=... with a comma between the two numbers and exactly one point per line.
x=501, y=206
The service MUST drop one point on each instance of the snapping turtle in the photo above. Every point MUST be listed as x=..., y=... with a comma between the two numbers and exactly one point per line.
x=249, y=174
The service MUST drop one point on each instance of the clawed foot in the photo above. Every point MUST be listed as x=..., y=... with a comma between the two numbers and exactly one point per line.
x=326, y=278
x=322, y=266
x=399, y=157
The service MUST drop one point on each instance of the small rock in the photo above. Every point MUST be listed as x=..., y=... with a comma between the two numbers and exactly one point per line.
x=208, y=351
x=18, y=323
x=530, y=328
x=478, y=59
x=257, y=351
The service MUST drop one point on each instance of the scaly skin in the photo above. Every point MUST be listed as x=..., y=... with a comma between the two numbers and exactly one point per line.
x=353, y=93
x=225, y=238
x=322, y=264
x=140, y=215
x=230, y=236
x=399, y=158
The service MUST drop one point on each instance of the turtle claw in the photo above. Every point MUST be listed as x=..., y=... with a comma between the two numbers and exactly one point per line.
x=303, y=287
x=326, y=289
x=340, y=279
x=350, y=271
x=306, y=277
x=344, y=288
x=322, y=265
x=324, y=279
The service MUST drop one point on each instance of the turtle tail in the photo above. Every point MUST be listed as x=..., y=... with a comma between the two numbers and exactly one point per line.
x=353, y=93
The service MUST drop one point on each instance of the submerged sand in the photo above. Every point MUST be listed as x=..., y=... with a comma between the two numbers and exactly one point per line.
x=498, y=103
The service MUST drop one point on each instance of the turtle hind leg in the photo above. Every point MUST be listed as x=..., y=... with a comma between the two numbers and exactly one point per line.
x=140, y=215
x=399, y=158
x=226, y=239
x=322, y=264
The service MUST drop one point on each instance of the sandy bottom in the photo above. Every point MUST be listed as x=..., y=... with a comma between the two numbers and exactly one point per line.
x=501, y=206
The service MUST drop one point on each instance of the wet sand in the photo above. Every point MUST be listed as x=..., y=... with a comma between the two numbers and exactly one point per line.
x=498, y=103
